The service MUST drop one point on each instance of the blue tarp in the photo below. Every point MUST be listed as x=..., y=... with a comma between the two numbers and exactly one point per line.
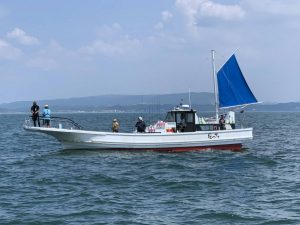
x=233, y=88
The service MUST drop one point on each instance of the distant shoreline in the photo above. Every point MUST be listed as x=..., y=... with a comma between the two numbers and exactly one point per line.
x=88, y=112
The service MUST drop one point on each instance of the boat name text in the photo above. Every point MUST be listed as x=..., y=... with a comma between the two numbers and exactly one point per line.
x=213, y=136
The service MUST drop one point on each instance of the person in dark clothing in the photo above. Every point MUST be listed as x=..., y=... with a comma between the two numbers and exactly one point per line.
x=182, y=124
x=222, y=123
x=140, y=125
x=35, y=113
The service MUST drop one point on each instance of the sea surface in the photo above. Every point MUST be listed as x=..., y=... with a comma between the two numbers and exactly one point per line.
x=40, y=183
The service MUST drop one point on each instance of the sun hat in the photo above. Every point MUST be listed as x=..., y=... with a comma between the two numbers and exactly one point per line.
x=141, y=118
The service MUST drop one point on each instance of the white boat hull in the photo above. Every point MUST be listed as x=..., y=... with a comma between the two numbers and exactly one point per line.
x=81, y=139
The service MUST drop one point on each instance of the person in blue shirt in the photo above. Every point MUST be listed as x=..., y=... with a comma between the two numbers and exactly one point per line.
x=46, y=115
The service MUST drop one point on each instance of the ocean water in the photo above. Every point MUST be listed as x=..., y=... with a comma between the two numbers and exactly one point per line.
x=40, y=183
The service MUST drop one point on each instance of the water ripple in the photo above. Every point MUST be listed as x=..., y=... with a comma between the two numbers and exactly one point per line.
x=42, y=184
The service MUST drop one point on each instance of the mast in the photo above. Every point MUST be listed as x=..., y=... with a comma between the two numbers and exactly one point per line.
x=190, y=102
x=215, y=85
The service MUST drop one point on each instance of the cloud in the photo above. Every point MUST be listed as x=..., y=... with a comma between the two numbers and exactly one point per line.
x=197, y=11
x=164, y=40
x=9, y=52
x=111, y=48
x=159, y=26
x=53, y=56
x=207, y=8
x=111, y=41
x=166, y=16
x=21, y=36
x=225, y=12
x=101, y=47
x=280, y=7
x=109, y=31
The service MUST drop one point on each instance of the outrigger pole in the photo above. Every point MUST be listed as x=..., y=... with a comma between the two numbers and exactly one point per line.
x=215, y=85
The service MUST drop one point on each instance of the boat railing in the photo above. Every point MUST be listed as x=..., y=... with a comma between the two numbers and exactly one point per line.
x=55, y=122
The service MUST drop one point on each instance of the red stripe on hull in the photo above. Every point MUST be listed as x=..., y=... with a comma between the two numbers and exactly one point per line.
x=231, y=147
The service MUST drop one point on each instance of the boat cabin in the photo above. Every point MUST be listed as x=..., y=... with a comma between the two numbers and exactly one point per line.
x=185, y=119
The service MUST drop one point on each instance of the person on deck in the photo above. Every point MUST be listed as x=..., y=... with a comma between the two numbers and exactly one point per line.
x=222, y=123
x=115, y=126
x=140, y=125
x=182, y=124
x=46, y=116
x=35, y=113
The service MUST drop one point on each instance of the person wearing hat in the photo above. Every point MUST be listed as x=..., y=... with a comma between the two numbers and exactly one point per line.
x=35, y=113
x=140, y=125
x=46, y=115
x=115, y=126
x=222, y=123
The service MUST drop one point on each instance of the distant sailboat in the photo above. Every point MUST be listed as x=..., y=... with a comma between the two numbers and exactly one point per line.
x=182, y=130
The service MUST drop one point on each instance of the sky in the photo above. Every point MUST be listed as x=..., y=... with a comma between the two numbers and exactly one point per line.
x=61, y=49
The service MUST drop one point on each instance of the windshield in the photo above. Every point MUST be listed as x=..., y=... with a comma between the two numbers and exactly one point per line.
x=170, y=117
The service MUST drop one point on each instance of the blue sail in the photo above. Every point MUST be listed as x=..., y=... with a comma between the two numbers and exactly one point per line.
x=233, y=88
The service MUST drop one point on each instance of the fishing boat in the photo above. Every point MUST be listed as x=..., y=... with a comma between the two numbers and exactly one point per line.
x=182, y=130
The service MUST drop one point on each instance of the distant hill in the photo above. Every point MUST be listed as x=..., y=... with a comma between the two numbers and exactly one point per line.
x=112, y=102
x=3, y=110
x=202, y=101
x=286, y=107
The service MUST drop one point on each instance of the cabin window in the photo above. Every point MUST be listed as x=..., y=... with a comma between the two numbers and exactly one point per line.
x=189, y=117
x=170, y=117
x=180, y=117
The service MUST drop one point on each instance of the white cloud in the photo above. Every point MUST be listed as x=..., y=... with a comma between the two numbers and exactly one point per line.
x=207, y=8
x=9, y=52
x=280, y=7
x=109, y=31
x=53, y=56
x=110, y=48
x=163, y=40
x=159, y=26
x=111, y=41
x=198, y=10
x=166, y=16
x=21, y=36
x=225, y=12
x=102, y=47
